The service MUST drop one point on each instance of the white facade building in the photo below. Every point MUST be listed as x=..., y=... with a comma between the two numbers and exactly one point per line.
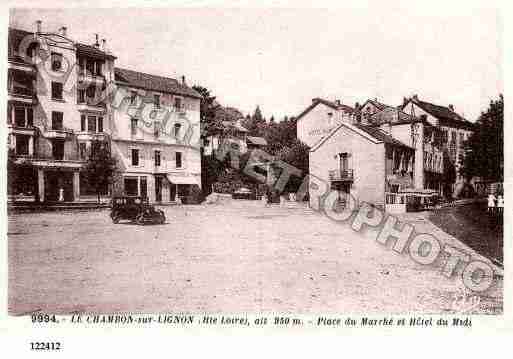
x=155, y=136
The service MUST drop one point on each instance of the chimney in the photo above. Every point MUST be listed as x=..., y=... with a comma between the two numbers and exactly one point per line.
x=405, y=101
x=97, y=43
x=38, y=26
x=63, y=31
x=451, y=107
x=415, y=97
x=338, y=102
x=104, y=45
x=183, y=80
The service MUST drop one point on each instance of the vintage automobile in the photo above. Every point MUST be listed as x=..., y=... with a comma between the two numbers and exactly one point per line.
x=244, y=193
x=136, y=209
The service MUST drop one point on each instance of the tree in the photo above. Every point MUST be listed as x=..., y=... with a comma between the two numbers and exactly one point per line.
x=297, y=155
x=256, y=124
x=100, y=167
x=483, y=154
x=208, y=111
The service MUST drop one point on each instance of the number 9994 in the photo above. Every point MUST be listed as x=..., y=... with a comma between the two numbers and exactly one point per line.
x=43, y=318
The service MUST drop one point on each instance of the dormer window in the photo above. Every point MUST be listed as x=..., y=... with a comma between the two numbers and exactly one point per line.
x=133, y=97
x=56, y=61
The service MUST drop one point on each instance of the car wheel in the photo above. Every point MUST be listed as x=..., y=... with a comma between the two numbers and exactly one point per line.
x=115, y=218
x=139, y=219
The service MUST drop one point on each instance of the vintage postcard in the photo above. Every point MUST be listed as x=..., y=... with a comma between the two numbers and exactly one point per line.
x=338, y=168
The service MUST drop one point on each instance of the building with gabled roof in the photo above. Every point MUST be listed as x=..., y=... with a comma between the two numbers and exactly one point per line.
x=156, y=136
x=451, y=128
x=362, y=161
x=320, y=118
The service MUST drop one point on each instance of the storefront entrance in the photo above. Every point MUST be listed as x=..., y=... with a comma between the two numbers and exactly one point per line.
x=55, y=181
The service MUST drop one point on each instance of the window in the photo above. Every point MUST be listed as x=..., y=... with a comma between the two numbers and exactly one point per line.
x=90, y=67
x=19, y=116
x=82, y=149
x=82, y=123
x=99, y=66
x=178, y=103
x=58, y=149
x=178, y=159
x=343, y=164
x=57, y=120
x=144, y=187
x=90, y=93
x=81, y=65
x=57, y=90
x=156, y=101
x=100, y=124
x=56, y=61
x=22, y=145
x=133, y=98
x=156, y=129
x=177, y=129
x=30, y=117
x=133, y=126
x=157, y=158
x=135, y=157
x=131, y=187
x=91, y=123
x=81, y=96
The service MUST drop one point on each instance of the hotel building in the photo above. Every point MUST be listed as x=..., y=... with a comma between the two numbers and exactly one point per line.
x=63, y=94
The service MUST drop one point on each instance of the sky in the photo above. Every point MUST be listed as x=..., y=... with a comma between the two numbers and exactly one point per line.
x=282, y=58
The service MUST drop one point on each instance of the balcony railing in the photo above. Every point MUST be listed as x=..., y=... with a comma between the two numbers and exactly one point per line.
x=341, y=175
x=22, y=91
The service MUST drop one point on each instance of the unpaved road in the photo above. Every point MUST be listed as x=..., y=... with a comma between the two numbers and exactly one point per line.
x=235, y=257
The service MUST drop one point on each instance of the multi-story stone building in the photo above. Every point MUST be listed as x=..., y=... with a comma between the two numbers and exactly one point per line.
x=450, y=131
x=432, y=134
x=51, y=120
x=155, y=136
x=63, y=95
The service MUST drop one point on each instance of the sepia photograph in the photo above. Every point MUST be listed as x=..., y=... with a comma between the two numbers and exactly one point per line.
x=255, y=160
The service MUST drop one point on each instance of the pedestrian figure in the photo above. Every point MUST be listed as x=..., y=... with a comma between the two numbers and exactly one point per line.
x=61, y=195
x=500, y=204
x=282, y=200
x=491, y=203
x=264, y=200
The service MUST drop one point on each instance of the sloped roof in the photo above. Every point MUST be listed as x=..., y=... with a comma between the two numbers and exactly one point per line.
x=379, y=105
x=153, y=82
x=234, y=125
x=15, y=37
x=393, y=116
x=381, y=135
x=444, y=114
x=374, y=134
x=333, y=105
x=92, y=51
x=260, y=141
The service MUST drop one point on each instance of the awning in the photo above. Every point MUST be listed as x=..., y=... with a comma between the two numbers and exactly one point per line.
x=423, y=192
x=182, y=179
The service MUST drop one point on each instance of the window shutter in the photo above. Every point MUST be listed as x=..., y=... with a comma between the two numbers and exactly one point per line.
x=141, y=157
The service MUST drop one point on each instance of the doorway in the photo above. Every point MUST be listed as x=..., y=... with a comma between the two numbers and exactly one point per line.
x=158, y=189
x=54, y=181
x=172, y=192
